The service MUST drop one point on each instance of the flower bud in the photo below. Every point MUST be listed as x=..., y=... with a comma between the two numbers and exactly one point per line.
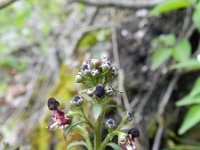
x=110, y=123
x=115, y=71
x=129, y=116
x=109, y=91
x=134, y=132
x=106, y=66
x=86, y=69
x=99, y=91
x=52, y=104
x=94, y=72
x=90, y=92
x=77, y=101
x=94, y=63
x=78, y=78
x=105, y=60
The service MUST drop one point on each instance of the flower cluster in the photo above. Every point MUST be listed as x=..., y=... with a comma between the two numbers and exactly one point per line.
x=95, y=72
x=96, y=75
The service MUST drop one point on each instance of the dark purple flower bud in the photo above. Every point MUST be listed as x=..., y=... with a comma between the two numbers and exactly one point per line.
x=110, y=123
x=86, y=69
x=134, y=132
x=53, y=104
x=99, y=91
x=77, y=101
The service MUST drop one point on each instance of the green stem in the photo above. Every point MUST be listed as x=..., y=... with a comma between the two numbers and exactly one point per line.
x=85, y=135
x=112, y=133
x=87, y=120
x=97, y=133
x=107, y=139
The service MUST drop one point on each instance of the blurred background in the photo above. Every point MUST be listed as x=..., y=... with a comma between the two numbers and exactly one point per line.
x=154, y=43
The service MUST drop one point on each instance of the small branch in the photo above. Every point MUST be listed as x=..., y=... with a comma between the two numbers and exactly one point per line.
x=5, y=3
x=161, y=109
x=116, y=3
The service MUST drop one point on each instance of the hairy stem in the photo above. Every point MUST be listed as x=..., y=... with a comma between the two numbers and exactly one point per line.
x=87, y=120
x=97, y=133
x=85, y=135
x=107, y=139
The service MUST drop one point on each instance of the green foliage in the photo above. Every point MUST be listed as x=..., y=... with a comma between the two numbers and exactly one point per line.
x=114, y=146
x=182, y=50
x=13, y=63
x=76, y=143
x=193, y=115
x=69, y=128
x=159, y=57
x=196, y=16
x=191, y=119
x=166, y=46
x=169, y=5
x=191, y=64
x=96, y=110
x=193, y=97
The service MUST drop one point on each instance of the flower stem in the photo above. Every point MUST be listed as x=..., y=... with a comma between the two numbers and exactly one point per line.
x=87, y=120
x=107, y=139
x=85, y=134
x=97, y=133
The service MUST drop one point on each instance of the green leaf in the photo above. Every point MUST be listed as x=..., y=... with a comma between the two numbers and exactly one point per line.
x=113, y=106
x=193, y=97
x=188, y=100
x=114, y=146
x=182, y=51
x=196, y=87
x=190, y=64
x=169, y=5
x=196, y=16
x=96, y=110
x=191, y=119
x=70, y=127
x=159, y=57
x=76, y=143
x=166, y=40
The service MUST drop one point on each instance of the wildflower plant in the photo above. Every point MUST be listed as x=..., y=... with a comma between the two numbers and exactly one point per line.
x=96, y=75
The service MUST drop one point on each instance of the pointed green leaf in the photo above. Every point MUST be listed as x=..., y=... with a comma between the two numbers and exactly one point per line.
x=159, y=57
x=193, y=97
x=96, y=110
x=113, y=106
x=196, y=16
x=114, y=146
x=76, y=143
x=190, y=64
x=182, y=50
x=169, y=5
x=164, y=40
x=191, y=119
x=70, y=127
x=188, y=100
